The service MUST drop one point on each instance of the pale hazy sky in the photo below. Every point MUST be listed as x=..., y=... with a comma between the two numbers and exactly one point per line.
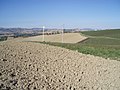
x=54, y=13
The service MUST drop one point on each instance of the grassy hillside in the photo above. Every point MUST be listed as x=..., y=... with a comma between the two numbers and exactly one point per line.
x=111, y=51
x=101, y=41
x=105, y=43
x=102, y=38
x=113, y=33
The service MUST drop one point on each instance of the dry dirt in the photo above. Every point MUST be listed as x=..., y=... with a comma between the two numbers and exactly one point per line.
x=67, y=38
x=34, y=66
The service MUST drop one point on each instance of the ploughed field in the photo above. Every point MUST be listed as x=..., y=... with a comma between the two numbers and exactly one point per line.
x=29, y=66
x=67, y=38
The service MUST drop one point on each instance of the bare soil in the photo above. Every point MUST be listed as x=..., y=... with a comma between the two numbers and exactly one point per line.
x=34, y=66
x=67, y=38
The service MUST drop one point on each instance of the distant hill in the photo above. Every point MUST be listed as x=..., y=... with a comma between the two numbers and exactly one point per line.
x=18, y=30
x=87, y=29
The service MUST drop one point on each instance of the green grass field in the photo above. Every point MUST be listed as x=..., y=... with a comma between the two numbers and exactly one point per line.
x=104, y=43
x=113, y=33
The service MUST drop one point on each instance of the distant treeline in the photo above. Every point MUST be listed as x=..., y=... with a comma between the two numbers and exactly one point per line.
x=16, y=35
x=25, y=35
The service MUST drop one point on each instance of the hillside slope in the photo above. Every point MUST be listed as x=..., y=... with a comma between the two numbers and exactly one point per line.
x=28, y=66
x=113, y=33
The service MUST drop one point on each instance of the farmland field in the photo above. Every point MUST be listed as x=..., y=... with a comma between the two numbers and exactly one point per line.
x=67, y=38
x=29, y=65
x=32, y=66
x=104, y=43
x=113, y=33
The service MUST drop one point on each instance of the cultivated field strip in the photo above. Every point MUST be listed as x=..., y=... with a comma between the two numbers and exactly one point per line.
x=29, y=66
x=67, y=38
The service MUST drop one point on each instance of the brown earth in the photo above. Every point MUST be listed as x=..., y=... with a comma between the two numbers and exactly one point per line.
x=67, y=38
x=34, y=66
